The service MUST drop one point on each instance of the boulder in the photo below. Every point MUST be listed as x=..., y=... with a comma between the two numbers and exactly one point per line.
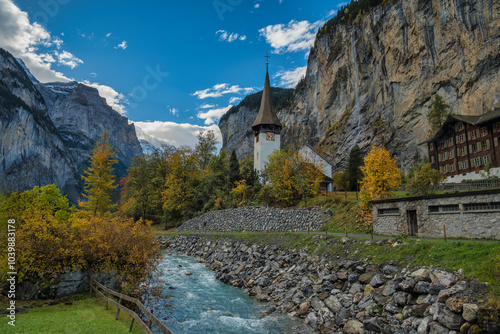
x=354, y=327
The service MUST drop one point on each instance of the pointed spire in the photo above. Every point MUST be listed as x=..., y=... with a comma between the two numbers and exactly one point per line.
x=267, y=114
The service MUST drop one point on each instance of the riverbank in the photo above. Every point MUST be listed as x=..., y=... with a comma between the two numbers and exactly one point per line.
x=336, y=284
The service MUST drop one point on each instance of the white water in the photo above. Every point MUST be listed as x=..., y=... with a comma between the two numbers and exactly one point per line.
x=199, y=303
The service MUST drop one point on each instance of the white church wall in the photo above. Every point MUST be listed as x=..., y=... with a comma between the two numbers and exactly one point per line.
x=263, y=148
x=307, y=152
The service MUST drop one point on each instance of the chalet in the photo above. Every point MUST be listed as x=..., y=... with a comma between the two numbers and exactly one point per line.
x=326, y=166
x=464, y=145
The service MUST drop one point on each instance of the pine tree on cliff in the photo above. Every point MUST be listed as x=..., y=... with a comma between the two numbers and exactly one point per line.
x=99, y=178
x=438, y=114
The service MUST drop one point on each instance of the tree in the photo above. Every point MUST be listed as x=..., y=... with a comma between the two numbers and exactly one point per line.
x=234, y=169
x=439, y=112
x=205, y=148
x=341, y=180
x=424, y=180
x=292, y=176
x=354, y=173
x=380, y=176
x=99, y=178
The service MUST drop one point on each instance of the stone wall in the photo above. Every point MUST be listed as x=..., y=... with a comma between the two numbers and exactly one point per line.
x=460, y=223
x=335, y=294
x=257, y=219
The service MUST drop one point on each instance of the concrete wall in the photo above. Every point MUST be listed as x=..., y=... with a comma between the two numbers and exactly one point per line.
x=472, y=176
x=256, y=219
x=481, y=224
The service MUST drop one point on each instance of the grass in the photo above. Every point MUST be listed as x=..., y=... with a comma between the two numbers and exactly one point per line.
x=83, y=316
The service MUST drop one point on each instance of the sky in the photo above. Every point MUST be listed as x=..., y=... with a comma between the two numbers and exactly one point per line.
x=172, y=67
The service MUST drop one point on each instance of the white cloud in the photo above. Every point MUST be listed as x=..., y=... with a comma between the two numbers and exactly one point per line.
x=229, y=37
x=213, y=115
x=234, y=99
x=290, y=78
x=170, y=133
x=108, y=34
x=57, y=42
x=174, y=111
x=206, y=106
x=257, y=5
x=22, y=39
x=292, y=37
x=93, y=74
x=123, y=45
x=222, y=89
x=114, y=99
x=67, y=59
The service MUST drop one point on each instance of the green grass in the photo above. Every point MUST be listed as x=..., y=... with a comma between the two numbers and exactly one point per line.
x=84, y=316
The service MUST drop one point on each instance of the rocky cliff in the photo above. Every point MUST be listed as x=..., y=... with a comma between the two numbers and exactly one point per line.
x=372, y=82
x=49, y=130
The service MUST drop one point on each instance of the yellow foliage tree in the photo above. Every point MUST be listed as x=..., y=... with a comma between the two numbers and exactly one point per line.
x=99, y=178
x=380, y=176
x=292, y=176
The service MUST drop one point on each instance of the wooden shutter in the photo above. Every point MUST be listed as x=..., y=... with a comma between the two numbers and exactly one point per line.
x=495, y=141
x=468, y=135
x=487, y=144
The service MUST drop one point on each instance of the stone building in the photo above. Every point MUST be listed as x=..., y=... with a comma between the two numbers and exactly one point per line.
x=474, y=214
x=464, y=145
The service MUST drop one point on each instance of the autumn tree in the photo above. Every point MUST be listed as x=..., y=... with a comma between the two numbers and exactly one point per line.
x=424, y=180
x=292, y=176
x=205, y=148
x=99, y=178
x=439, y=112
x=234, y=169
x=380, y=176
x=341, y=180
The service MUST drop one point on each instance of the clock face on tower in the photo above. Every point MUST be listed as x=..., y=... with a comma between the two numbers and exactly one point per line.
x=270, y=136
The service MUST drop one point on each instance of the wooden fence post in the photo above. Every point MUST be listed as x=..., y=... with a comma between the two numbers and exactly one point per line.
x=444, y=230
x=118, y=311
x=132, y=325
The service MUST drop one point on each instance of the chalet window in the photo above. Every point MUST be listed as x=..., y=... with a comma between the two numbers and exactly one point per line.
x=478, y=132
x=452, y=167
x=479, y=147
x=463, y=164
x=439, y=157
x=445, y=155
x=432, y=159
x=473, y=134
x=476, y=162
x=486, y=159
x=465, y=150
x=441, y=144
x=452, y=154
x=484, y=131
x=470, y=149
x=494, y=206
x=450, y=142
x=460, y=126
x=461, y=138
x=495, y=141
x=469, y=135
x=394, y=211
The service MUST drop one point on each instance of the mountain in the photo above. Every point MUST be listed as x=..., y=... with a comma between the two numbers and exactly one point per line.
x=371, y=80
x=48, y=131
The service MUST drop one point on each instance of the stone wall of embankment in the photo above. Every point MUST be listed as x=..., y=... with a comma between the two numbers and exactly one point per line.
x=333, y=294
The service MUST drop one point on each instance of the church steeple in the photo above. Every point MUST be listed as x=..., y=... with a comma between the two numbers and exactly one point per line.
x=267, y=114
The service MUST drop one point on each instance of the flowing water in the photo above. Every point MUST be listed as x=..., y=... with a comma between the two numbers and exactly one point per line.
x=199, y=303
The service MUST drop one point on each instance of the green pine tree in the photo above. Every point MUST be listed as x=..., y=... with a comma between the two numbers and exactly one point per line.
x=439, y=112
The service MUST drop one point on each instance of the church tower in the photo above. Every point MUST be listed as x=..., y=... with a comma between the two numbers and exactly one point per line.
x=266, y=129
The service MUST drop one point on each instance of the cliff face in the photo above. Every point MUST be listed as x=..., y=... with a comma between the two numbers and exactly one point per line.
x=372, y=82
x=32, y=153
x=49, y=130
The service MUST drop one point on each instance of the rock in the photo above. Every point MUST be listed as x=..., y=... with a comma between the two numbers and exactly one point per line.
x=436, y=328
x=470, y=312
x=434, y=289
x=333, y=304
x=352, y=278
x=372, y=324
x=303, y=308
x=311, y=320
x=353, y=327
x=392, y=307
x=366, y=302
x=389, y=289
x=419, y=310
x=455, y=304
x=376, y=281
x=465, y=327
x=317, y=304
x=448, y=319
x=400, y=298
x=368, y=289
x=442, y=277
x=389, y=270
x=422, y=287
x=420, y=274
x=423, y=328
x=365, y=278
x=407, y=285
x=268, y=311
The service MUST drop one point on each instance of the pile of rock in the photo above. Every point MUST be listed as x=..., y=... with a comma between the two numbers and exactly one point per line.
x=344, y=295
x=256, y=219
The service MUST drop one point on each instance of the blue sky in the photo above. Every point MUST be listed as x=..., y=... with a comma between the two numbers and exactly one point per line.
x=171, y=67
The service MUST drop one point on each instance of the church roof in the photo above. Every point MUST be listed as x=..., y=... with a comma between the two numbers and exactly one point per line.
x=267, y=114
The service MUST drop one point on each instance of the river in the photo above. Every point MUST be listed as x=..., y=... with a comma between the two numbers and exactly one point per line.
x=199, y=303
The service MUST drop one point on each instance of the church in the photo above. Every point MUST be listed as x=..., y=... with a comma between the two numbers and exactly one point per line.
x=267, y=138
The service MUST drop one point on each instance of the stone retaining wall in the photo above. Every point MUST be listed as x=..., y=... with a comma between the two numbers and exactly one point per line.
x=338, y=295
x=257, y=219
x=453, y=212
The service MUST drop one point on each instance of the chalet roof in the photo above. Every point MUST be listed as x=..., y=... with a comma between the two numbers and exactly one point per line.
x=469, y=119
x=319, y=154
x=267, y=114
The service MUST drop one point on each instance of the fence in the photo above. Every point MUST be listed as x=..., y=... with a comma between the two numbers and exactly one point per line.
x=94, y=285
x=471, y=185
